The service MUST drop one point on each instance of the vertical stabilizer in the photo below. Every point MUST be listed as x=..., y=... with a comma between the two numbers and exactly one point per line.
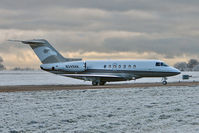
x=45, y=52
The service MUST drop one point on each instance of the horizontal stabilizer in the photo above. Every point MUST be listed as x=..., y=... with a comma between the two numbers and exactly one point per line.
x=30, y=41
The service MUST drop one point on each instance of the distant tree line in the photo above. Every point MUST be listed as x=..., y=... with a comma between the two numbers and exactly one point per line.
x=191, y=65
x=1, y=65
x=22, y=69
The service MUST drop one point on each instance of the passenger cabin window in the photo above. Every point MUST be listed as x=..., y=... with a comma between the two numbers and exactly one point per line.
x=114, y=66
x=124, y=66
x=104, y=66
x=129, y=66
x=109, y=66
x=119, y=66
x=134, y=66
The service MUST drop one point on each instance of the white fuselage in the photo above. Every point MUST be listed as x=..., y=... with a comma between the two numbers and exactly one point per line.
x=111, y=70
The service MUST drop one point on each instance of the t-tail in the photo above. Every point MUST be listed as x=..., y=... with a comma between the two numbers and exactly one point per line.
x=45, y=52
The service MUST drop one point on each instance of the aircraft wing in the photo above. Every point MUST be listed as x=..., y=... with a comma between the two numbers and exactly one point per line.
x=90, y=75
x=99, y=76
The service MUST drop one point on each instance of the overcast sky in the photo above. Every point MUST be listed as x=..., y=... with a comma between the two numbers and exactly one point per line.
x=101, y=29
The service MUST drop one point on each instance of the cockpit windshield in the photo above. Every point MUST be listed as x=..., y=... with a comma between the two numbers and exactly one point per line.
x=161, y=64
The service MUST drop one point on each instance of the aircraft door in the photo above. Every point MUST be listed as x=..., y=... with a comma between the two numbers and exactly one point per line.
x=85, y=65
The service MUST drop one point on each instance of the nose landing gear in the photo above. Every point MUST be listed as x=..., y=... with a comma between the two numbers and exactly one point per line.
x=164, y=80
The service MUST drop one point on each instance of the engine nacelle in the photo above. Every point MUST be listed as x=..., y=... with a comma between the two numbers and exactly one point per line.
x=76, y=66
x=79, y=66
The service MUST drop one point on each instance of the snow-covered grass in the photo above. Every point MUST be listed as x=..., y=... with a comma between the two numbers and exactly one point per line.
x=152, y=109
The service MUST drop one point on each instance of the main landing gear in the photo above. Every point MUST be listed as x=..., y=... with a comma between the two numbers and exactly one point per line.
x=164, y=80
x=95, y=83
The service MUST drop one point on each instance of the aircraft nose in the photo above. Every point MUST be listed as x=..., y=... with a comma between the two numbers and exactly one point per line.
x=175, y=71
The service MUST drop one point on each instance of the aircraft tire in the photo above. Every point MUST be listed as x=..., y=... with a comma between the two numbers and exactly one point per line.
x=102, y=83
x=94, y=83
x=164, y=82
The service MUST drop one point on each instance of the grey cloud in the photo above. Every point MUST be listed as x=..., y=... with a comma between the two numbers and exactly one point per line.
x=169, y=47
x=87, y=18
x=49, y=14
x=54, y=15
x=1, y=59
x=119, y=5
x=102, y=4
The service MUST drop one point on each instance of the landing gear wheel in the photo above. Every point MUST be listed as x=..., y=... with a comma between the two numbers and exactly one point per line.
x=94, y=83
x=102, y=83
x=164, y=82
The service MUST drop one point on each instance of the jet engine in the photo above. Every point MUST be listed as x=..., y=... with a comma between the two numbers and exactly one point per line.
x=76, y=66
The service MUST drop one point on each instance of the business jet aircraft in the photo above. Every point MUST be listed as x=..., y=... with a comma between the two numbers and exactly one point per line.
x=99, y=71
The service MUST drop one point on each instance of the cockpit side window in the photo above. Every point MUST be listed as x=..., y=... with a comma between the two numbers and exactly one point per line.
x=157, y=64
x=161, y=64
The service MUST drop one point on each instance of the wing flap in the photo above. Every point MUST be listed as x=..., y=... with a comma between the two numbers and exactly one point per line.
x=107, y=77
x=92, y=75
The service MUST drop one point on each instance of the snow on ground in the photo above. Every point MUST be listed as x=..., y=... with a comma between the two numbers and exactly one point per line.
x=149, y=109
x=152, y=109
